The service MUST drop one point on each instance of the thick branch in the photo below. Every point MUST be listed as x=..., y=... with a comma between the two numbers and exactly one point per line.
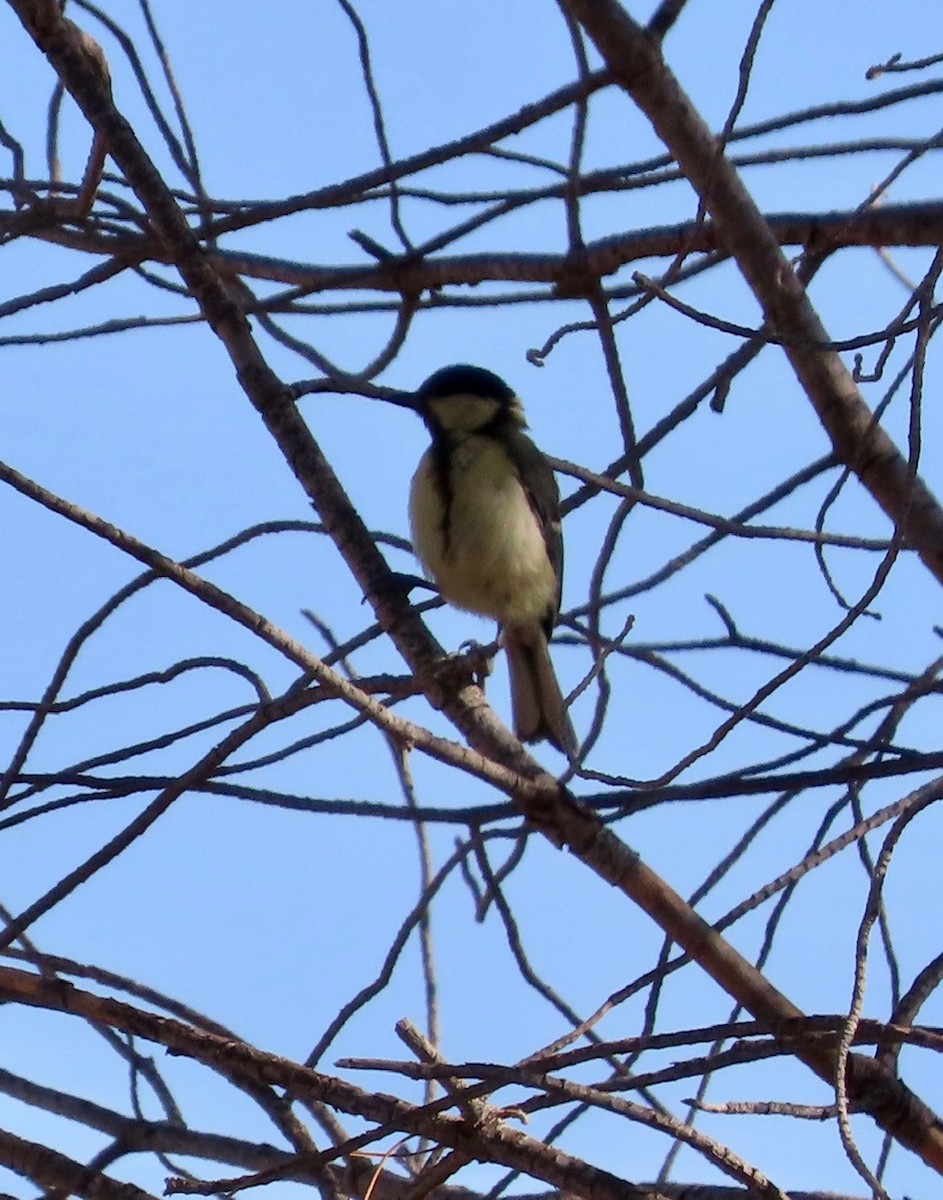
x=545, y=804
x=859, y=442
x=243, y=1063
x=57, y=1174
x=548, y=806
x=890, y=225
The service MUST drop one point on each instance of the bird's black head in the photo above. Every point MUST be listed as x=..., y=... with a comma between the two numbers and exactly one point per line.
x=462, y=399
x=462, y=379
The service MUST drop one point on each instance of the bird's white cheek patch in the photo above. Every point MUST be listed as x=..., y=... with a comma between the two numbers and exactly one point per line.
x=464, y=414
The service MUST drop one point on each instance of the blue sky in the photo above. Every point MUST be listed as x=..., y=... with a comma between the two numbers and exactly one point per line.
x=270, y=920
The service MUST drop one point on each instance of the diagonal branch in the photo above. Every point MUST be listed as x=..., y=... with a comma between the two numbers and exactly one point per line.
x=537, y=793
x=859, y=442
x=242, y=1063
x=548, y=806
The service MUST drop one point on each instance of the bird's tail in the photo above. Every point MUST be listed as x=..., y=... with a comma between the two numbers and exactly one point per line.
x=536, y=699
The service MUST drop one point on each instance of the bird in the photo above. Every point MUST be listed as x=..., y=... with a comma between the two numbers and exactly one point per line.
x=484, y=511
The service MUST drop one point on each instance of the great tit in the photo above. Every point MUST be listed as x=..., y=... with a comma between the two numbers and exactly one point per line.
x=484, y=508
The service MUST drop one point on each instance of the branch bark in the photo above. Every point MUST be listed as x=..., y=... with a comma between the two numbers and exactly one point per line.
x=636, y=62
x=246, y=1065
x=890, y=225
x=548, y=806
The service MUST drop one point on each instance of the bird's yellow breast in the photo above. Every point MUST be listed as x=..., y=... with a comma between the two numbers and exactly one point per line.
x=478, y=537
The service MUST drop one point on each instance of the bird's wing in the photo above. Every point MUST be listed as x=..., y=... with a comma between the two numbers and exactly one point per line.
x=540, y=486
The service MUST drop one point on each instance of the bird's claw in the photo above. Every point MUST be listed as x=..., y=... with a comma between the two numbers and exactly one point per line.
x=479, y=659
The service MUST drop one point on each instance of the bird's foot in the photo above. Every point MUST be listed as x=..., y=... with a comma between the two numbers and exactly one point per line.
x=471, y=664
x=478, y=659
